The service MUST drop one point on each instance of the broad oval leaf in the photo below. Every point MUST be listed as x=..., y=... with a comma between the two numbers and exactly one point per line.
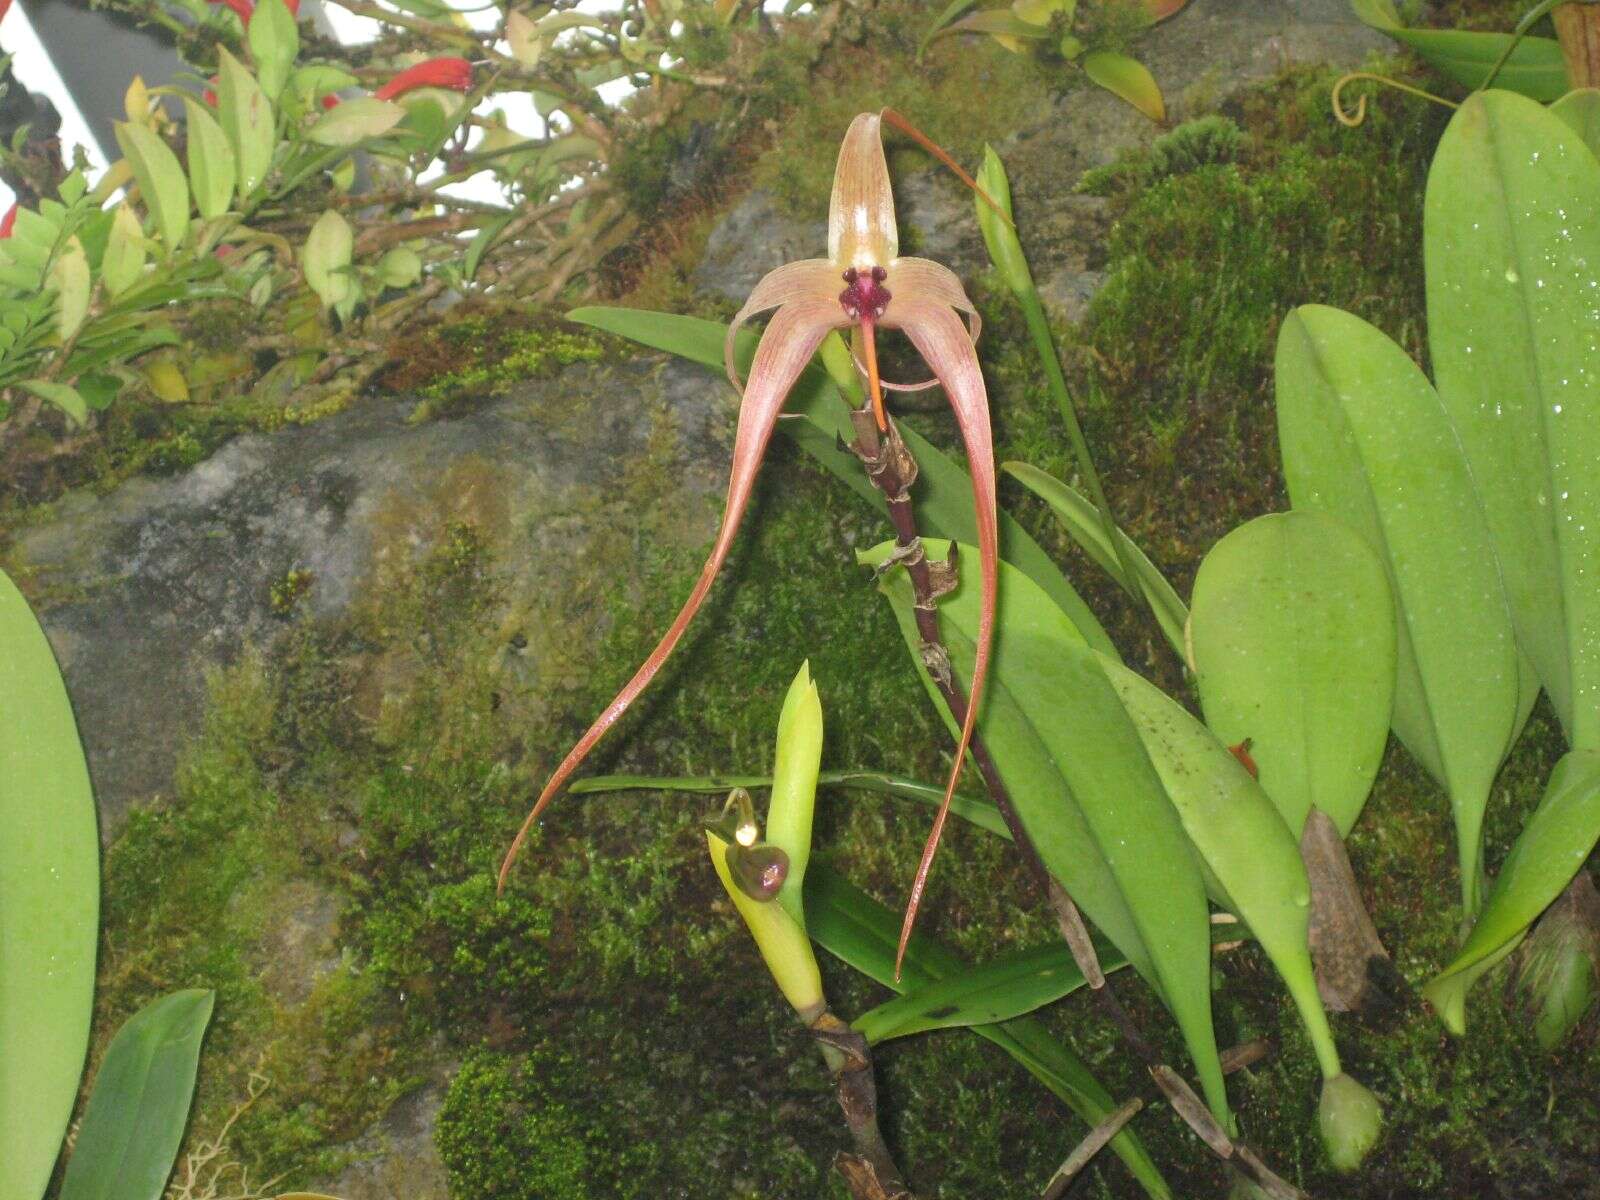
x=855, y=928
x=49, y=902
x=247, y=118
x=522, y=37
x=1127, y=79
x=63, y=395
x=326, y=258
x=1083, y=786
x=1365, y=437
x=211, y=166
x=134, y=1121
x=1550, y=851
x=69, y=277
x=123, y=261
x=1292, y=633
x=274, y=42
x=352, y=121
x=1513, y=266
x=160, y=178
x=943, y=491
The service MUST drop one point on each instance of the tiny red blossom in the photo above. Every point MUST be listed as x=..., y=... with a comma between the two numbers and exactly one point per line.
x=452, y=73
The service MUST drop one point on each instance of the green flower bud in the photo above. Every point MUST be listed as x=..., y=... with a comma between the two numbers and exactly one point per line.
x=999, y=235
x=1349, y=1118
x=783, y=944
x=794, y=785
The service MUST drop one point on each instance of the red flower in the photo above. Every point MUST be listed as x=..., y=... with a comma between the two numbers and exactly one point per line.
x=10, y=219
x=241, y=8
x=452, y=73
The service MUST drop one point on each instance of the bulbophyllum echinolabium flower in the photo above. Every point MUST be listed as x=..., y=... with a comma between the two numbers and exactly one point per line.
x=863, y=284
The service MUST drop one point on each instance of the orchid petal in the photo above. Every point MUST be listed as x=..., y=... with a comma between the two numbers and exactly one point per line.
x=914, y=277
x=810, y=279
x=861, y=226
x=791, y=339
x=945, y=345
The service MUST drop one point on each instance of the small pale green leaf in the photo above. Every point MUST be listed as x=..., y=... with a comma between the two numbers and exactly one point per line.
x=134, y=1121
x=1550, y=851
x=354, y=121
x=326, y=258
x=400, y=267
x=1083, y=786
x=247, y=119
x=522, y=36
x=315, y=80
x=1512, y=244
x=1293, y=640
x=1365, y=437
x=1127, y=79
x=160, y=178
x=123, y=262
x=211, y=166
x=274, y=43
x=49, y=902
x=855, y=928
x=481, y=243
x=944, y=490
x=62, y=395
x=1000, y=23
x=946, y=15
x=69, y=278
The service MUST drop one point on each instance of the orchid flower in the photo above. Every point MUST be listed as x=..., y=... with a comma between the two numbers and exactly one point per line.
x=862, y=285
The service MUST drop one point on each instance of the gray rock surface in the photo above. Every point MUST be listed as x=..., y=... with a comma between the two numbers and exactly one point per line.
x=143, y=590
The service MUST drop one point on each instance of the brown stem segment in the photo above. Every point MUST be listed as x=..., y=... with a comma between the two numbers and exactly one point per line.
x=870, y=1171
x=892, y=470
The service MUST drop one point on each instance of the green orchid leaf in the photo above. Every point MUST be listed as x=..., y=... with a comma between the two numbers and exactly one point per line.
x=1084, y=787
x=161, y=183
x=943, y=492
x=1292, y=637
x=247, y=118
x=1365, y=437
x=212, y=170
x=49, y=902
x=134, y=1121
x=1081, y=519
x=1010, y=986
x=1550, y=851
x=859, y=931
x=1580, y=109
x=1001, y=23
x=980, y=813
x=1535, y=68
x=1252, y=857
x=1512, y=247
x=947, y=14
x=1127, y=79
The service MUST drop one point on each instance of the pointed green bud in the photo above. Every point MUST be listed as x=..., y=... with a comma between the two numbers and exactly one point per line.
x=794, y=785
x=999, y=234
x=783, y=944
x=1349, y=1118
